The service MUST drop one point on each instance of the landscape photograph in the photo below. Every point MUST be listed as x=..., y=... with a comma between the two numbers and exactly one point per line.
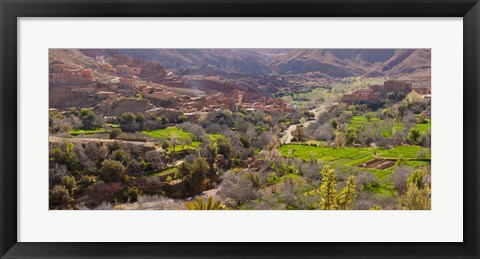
x=239, y=129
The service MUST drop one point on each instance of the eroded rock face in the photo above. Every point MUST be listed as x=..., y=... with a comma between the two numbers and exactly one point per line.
x=65, y=98
x=118, y=107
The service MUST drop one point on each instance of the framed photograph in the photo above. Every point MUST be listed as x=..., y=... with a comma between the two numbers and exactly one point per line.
x=226, y=129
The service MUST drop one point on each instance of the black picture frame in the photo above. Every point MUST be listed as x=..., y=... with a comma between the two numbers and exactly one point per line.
x=10, y=10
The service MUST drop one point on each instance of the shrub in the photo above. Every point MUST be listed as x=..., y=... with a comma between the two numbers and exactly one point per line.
x=112, y=171
x=59, y=195
x=115, y=145
x=87, y=180
x=114, y=133
x=88, y=118
x=131, y=194
x=121, y=156
x=415, y=178
x=127, y=118
x=199, y=204
x=69, y=182
x=414, y=135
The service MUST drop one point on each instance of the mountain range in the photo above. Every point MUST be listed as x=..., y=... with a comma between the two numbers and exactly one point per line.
x=331, y=62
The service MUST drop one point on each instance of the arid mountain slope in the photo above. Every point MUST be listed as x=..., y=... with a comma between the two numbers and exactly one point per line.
x=331, y=62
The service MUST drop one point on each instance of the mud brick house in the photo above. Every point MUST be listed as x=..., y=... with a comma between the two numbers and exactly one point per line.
x=61, y=74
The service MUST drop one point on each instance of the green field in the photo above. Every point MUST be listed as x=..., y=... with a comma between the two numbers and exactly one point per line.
x=165, y=172
x=86, y=132
x=167, y=133
x=353, y=156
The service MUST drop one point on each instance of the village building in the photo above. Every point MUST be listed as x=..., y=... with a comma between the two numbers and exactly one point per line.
x=110, y=95
x=122, y=70
x=134, y=71
x=213, y=78
x=99, y=59
x=61, y=74
x=127, y=82
x=163, y=96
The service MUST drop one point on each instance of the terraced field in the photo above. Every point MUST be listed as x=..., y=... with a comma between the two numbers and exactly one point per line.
x=87, y=132
x=167, y=133
x=183, y=135
x=355, y=156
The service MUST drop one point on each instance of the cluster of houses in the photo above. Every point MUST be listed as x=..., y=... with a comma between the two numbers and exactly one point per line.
x=375, y=93
x=61, y=74
x=124, y=81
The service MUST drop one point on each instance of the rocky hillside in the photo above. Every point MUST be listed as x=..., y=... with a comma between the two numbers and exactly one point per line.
x=353, y=62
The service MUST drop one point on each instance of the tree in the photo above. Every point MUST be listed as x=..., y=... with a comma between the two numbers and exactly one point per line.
x=114, y=133
x=198, y=172
x=415, y=178
x=121, y=156
x=174, y=140
x=347, y=195
x=416, y=198
x=140, y=118
x=399, y=178
x=112, y=171
x=327, y=189
x=69, y=182
x=414, y=135
x=127, y=118
x=184, y=168
x=401, y=111
x=70, y=158
x=225, y=148
x=298, y=133
x=340, y=139
x=199, y=204
x=87, y=117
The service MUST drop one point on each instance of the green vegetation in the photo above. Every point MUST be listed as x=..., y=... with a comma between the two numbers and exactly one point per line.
x=77, y=132
x=167, y=133
x=368, y=155
x=200, y=204
x=362, y=120
x=352, y=154
x=169, y=171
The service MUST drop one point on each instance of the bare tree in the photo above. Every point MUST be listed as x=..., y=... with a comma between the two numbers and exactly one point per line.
x=399, y=178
